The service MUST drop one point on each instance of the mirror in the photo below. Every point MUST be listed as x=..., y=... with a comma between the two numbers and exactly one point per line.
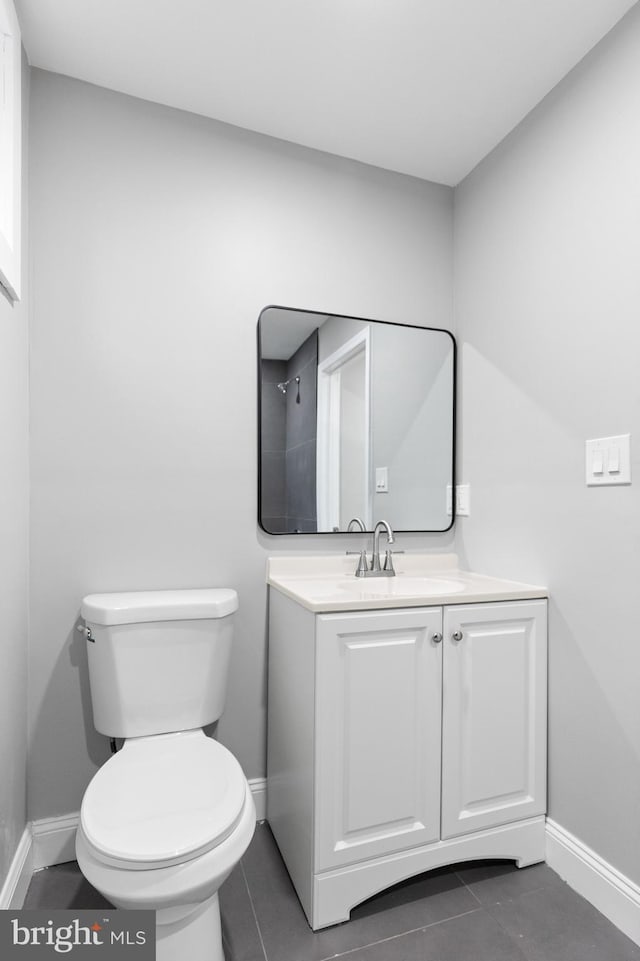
x=356, y=420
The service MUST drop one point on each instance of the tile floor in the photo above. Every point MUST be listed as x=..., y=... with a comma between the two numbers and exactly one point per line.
x=482, y=911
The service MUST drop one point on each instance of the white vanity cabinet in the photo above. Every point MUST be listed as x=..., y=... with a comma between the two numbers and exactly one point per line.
x=403, y=739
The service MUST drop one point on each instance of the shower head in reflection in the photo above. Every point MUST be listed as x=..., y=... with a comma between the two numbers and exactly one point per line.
x=282, y=387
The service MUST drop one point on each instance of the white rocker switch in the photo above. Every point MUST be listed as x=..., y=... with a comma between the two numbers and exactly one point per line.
x=597, y=462
x=382, y=480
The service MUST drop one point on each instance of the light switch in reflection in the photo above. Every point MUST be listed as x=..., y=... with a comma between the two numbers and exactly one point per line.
x=382, y=480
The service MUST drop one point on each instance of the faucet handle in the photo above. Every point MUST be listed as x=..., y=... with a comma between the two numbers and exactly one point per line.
x=363, y=563
x=388, y=561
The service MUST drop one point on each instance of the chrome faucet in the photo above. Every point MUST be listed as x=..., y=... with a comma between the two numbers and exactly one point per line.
x=363, y=564
x=375, y=557
x=375, y=570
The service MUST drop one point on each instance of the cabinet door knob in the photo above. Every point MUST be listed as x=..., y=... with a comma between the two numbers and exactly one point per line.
x=436, y=638
x=457, y=635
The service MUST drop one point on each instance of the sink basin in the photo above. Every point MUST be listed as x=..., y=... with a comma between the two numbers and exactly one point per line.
x=401, y=586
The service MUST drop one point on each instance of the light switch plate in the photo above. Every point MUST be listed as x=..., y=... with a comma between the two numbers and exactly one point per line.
x=608, y=461
x=382, y=480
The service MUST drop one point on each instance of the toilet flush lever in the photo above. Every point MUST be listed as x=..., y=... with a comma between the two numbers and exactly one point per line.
x=87, y=632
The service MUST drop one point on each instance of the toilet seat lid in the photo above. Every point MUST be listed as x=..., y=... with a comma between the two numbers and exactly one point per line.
x=163, y=800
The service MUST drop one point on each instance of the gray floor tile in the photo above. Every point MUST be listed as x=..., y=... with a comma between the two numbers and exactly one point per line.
x=472, y=937
x=494, y=881
x=240, y=934
x=63, y=886
x=556, y=924
x=286, y=933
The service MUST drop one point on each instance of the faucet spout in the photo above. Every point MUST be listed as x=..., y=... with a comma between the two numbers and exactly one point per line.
x=356, y=521
x=375, y=559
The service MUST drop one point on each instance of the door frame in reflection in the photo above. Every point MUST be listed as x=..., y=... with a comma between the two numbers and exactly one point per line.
x=329, y=434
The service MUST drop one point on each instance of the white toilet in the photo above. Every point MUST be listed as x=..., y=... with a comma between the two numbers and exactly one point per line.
x=166, y=819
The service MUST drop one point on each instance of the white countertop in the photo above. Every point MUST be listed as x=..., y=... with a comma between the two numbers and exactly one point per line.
x=328, y=583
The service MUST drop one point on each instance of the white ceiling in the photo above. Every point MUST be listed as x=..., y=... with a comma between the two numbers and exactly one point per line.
x=423, y=87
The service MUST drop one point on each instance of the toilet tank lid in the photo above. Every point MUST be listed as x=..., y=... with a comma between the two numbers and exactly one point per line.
x=135, y=607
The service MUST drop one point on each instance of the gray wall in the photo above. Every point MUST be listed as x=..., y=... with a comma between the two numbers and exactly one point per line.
x=157, y=238
x=547, y=234
x=14, y=539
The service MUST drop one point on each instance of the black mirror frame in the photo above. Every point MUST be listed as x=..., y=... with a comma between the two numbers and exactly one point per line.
x=365, y=320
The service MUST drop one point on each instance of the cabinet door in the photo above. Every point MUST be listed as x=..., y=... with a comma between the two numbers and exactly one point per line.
x=378, y=733
x=494, y=715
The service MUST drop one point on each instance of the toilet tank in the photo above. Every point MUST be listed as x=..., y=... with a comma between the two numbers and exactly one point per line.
x=158, y=660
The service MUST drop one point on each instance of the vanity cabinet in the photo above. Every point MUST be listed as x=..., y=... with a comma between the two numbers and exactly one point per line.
x=403, y=739
x=494, y=718
x=378, y=716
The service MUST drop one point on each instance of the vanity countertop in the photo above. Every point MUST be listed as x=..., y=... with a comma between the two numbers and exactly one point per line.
x=328, y=583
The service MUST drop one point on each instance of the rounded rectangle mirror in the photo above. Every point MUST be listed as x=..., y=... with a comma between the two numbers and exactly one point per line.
x=356, y=422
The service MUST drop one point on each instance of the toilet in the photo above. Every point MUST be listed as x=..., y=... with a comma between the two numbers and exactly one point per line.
x=165, y=820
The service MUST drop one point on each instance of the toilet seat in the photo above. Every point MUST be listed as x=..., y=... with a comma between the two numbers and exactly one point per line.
x=163, y=800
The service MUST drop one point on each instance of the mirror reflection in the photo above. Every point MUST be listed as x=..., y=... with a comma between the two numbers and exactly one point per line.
x=356, y=420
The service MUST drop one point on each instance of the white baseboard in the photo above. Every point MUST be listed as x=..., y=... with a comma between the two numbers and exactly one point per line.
x=258, y=787
x=602, y=885
x=54, y=840
x=20, y=871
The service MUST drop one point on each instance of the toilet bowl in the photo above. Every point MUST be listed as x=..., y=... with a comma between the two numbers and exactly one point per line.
x=165, y=819
x=162, y=825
